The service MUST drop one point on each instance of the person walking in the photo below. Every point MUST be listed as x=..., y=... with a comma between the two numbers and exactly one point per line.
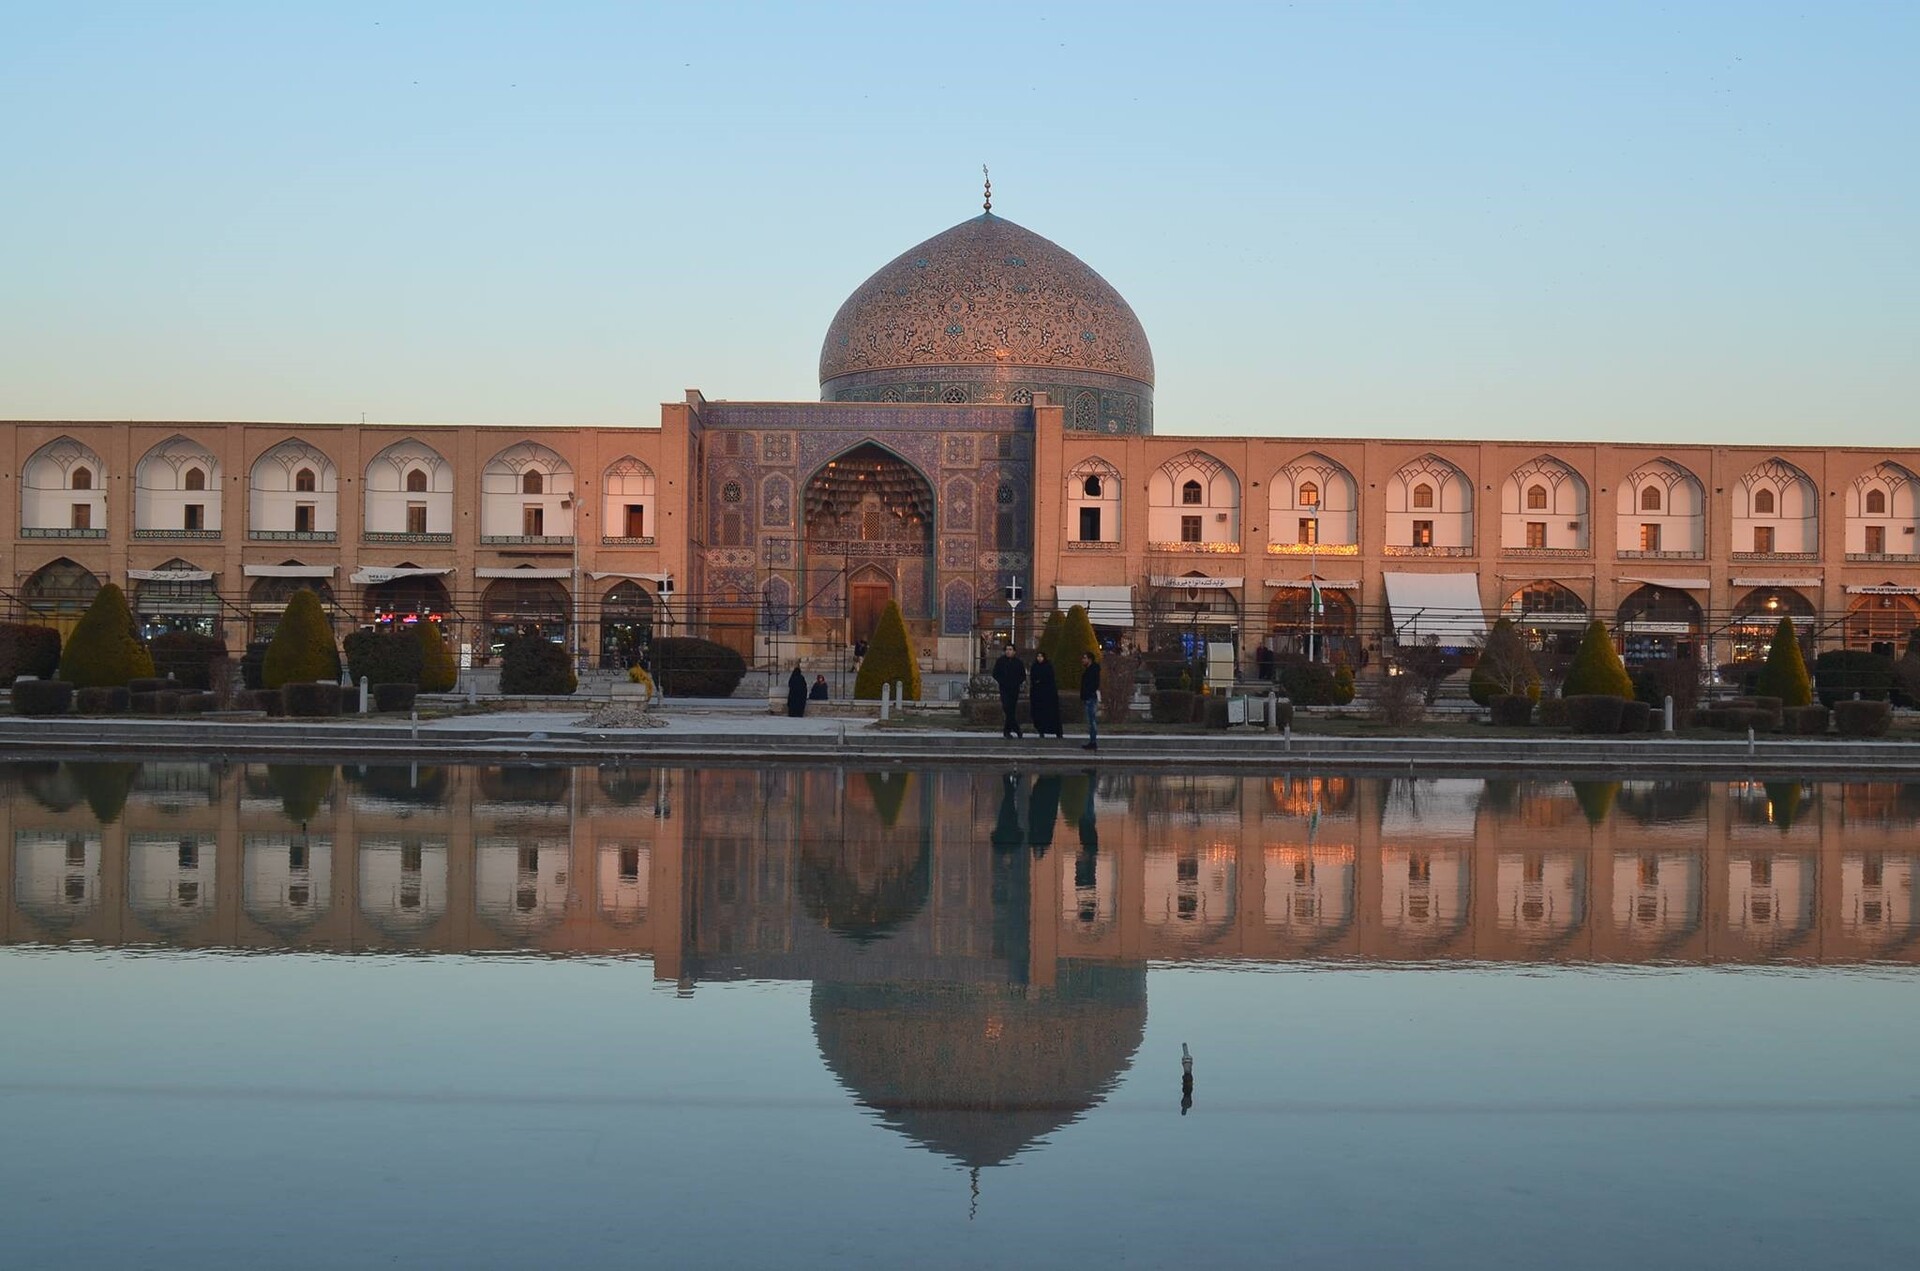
x=1009, y=672
x=797, y=692
x=1043, y=690
x=1090, y=698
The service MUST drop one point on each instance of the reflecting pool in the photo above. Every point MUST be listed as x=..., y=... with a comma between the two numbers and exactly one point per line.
x=513, y=1016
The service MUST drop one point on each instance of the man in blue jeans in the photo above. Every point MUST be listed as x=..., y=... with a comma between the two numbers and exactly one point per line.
x=1090, y=698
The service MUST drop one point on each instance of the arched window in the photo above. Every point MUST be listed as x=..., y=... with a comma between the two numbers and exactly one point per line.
x=303, y=480
x=533, y=481
x=1536, y=497
x=1763, y=503
x=1650, y=498
x=1309, y=495
x=83, y=478
x=1876, y=503
x=195, y=479
x=1093, y=486
x=1423, y=495
x=1192, y=495
x=417, y=481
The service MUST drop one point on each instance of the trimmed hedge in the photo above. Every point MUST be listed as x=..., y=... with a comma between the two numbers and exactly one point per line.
x=1594, y=713
x=1171, y=706
x=1769, y=710
x=42, y=697
x=1840, y=673
x=197, y=703
x=1738, y=719
x=1076, y=637
x=383, y=657
x=1862, y=719
x=533, y=664
x=265, y=699
x=890, y=660
x=103, y=651
x=1596, y=669
x=26, y=649
x=188, y=658
x=1553, y=712
x=1806, y=721
x=1785, y=674
x=315, y=699
x=1213, y=711
x=1678, y=678
x=686, y=666
x=394, y=697
x=252, y=664
x=1511, y=710
x=151, y=684
x=439, y=672
x=158, y=702
x=103, y=701
x=302, y=649
x=1636, y=717
x=1311, y=684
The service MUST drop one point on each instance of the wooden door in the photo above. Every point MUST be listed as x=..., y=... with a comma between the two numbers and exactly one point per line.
x=866, y=601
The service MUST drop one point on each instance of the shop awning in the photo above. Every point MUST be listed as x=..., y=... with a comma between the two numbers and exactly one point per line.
x=628, y=573
x=371, y=577
x=1684, y=584
x=1445, y=607
x=288, y=571
x=1105, y=606
x=1197, y=582
x=1776, y=582
x=1326, y=584
x=528, y=571
x=1883, y=589
x=170, y=575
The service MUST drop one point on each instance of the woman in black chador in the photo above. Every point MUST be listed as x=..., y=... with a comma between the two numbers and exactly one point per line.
x=797, y=692
x=1043, y=691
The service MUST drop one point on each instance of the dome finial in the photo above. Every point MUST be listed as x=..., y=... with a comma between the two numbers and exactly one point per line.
x=987, y=202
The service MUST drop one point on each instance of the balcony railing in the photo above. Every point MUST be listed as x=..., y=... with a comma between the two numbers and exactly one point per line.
x=1414, y=549
x=626, y=540
x=1778, y=557
x=404, y=536
x=1873, y=557
x=1625, y=554
x=58, y=531
x=1548, y=553
x=292, y=536
x=1092, y=545
x=1181, y=546
x=177, y=533
x=526, y=540
x=1313, y=549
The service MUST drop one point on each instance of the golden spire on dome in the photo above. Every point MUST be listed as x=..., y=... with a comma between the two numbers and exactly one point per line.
x=987, y=202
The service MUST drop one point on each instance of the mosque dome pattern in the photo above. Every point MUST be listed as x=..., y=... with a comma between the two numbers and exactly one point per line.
x=990, y=311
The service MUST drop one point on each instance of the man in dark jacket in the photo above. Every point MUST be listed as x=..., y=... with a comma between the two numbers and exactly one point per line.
x=1009, y=673
x=1090, y=698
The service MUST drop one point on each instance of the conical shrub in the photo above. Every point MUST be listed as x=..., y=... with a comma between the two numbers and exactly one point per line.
x=889, y=659
x=302, y=650
x=1785, y=674
x=1049, y=642
x=439, y=673
x=104, y=651
x=1596, y=668
x=1505, y=668
x=1076, y=637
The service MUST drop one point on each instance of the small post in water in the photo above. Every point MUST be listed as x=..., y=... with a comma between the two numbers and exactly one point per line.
x=363, y=695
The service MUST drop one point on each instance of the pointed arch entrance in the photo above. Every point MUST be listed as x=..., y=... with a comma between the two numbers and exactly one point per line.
x=869, y=539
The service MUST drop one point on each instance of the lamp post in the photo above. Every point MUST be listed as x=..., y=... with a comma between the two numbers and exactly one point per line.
x=1313, y=586
x=573, y=597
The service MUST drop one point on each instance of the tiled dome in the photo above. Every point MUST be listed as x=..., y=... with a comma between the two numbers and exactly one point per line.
x=987, y=293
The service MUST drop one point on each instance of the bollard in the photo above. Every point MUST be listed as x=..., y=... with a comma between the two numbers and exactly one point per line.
x=1287, y=733
x=363, y=695
x=413, y=725
x=1273, y=710
x=1749, y=739
x=899, y=694
x=1666, y=715
x=473, y=692
x=886, y=696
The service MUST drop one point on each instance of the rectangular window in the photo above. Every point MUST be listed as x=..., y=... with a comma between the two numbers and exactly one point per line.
x=194, y=517
x=1763, y=538
x=82, y=516
x=533, y=521
x=1423, y=533
x=1089, y=525
x=303, y=518
x=1649, y=538
x=1309, y=529
x=636, y=523
x=1536, y=533
x=416, y=518
x=1189, y=529
x=1876, y=539
x=629, y=864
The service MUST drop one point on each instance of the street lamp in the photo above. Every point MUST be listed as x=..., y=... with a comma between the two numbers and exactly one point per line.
x=573, y=597
x=1313, y=585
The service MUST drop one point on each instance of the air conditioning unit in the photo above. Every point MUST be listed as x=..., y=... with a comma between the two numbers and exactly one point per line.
x=1573, y=525
x=1906, y=529
x=1220, y=516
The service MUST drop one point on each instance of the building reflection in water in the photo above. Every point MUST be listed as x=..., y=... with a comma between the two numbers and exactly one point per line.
x=976, y=942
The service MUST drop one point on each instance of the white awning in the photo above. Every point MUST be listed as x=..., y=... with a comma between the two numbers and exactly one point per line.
x=525, y=571
x=1776, y=582
x=1443, y=606
x=1105, y=606
x=170, y=575
x=1326, y=584
x=372, y=577
x=288, y=571
x=628, y=573
x=1883, y=589
x=1685, y=584
x=1196, y=581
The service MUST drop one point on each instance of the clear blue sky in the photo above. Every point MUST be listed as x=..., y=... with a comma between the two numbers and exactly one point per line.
x=1581, y=220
